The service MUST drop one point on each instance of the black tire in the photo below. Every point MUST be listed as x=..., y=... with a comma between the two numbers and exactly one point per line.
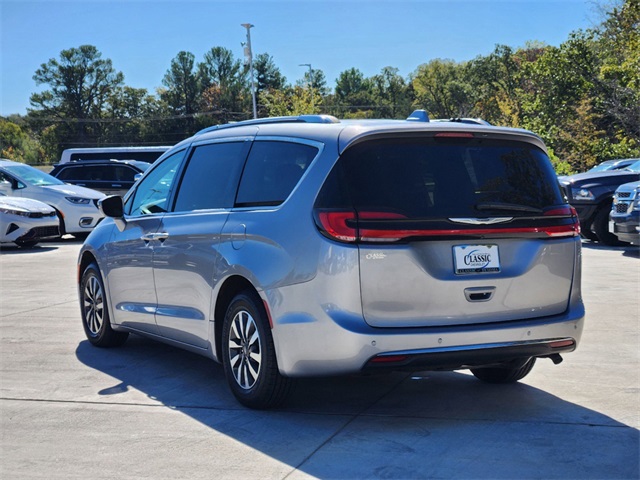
x=95, y=312
x=63, y=230
x=249, y=356
x=585, y=232
x=601, y=228
x=509, y=373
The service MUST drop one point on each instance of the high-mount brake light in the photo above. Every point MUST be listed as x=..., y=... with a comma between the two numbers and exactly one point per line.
x=454, y=135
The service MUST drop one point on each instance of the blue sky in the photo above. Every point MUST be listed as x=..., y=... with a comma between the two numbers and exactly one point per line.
x=141, y=37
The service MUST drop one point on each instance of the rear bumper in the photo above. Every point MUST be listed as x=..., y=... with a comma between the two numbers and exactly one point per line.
x=340, y=343
x=468, y=356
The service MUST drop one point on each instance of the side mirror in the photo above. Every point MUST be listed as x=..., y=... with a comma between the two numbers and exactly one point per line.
x=113, y=207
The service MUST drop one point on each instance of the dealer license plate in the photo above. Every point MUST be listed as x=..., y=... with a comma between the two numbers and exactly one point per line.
x=476, y=259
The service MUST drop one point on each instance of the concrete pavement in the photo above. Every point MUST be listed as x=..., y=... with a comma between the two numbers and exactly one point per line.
x=149, y=411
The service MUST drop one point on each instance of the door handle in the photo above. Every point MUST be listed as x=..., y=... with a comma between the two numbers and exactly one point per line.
x=479, y=294
x=161, y=236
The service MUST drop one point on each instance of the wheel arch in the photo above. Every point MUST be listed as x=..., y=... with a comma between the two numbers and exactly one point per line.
x=87, y=257
x=231, y=287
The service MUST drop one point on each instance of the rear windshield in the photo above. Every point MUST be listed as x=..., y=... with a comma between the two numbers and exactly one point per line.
x=443, y=178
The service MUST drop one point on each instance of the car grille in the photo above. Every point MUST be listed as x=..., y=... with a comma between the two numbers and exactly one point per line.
x=42, y=232
x=622, y=207
x=623, y=194
x=41, y=215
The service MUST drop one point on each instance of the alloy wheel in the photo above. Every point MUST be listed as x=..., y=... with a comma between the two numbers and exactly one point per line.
x=93, y=305
x=245, y=350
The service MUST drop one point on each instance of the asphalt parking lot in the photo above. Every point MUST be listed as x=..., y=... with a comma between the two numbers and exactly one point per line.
x=149, y=411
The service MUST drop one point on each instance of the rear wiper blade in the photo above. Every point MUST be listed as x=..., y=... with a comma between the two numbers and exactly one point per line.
x=511, y=207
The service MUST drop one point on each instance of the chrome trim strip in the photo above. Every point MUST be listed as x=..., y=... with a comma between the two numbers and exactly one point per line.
x=482, y=221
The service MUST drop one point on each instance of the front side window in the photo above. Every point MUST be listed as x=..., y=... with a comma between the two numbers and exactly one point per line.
x=154, y=191
x=273, y=169
x=211, y=176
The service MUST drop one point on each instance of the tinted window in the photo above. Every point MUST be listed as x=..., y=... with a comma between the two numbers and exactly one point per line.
x=272, y=171
x=121, y=173
x=429, y=178
x=211, y=176
x=153, y=192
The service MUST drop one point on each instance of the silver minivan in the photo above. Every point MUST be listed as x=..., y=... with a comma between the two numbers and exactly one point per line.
x=303, y=246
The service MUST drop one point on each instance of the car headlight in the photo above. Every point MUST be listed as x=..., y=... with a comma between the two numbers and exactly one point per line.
x=78, y=200
x=582, y=194
x=11, y=211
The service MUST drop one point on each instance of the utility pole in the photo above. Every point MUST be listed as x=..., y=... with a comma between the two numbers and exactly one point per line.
x=248, y=59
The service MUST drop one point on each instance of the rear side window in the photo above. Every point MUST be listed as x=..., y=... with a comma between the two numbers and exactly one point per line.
x=122, y=174
x=211, y=176
x=81, y=173
x=434, y=179
x=273, y=169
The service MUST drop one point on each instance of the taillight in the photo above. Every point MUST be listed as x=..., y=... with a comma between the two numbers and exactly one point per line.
x=343, y=225
x=351, y=226
x=334, y=224
x=570, y=230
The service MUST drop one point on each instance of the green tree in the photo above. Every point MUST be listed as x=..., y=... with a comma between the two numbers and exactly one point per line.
x=391, y=94
x=441, y=89
x=315, y=79
x=290, y=101
x=267, y=74
x=17, y=144
x=353, y=94
x=79, y=84
x=181, y=93
x=222, y=83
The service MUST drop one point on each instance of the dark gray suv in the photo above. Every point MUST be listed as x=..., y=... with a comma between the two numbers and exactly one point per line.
x=302, y=246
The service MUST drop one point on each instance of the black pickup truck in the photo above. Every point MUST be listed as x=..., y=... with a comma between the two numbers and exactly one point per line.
x=591, y=194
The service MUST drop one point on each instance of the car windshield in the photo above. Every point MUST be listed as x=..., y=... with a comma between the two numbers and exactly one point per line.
x=33, y=176
x=634, y=167
x=602, y=167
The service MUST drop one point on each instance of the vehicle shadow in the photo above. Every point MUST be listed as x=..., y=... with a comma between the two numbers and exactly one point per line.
x=15, y=250
x=397, y=425
x=626, y=250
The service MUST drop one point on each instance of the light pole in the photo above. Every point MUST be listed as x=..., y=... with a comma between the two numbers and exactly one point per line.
x=310, y=73
x=309, y=81
x=248, y=57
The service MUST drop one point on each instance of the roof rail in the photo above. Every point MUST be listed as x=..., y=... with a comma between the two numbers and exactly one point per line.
x=270, y=120
x=418, y=116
